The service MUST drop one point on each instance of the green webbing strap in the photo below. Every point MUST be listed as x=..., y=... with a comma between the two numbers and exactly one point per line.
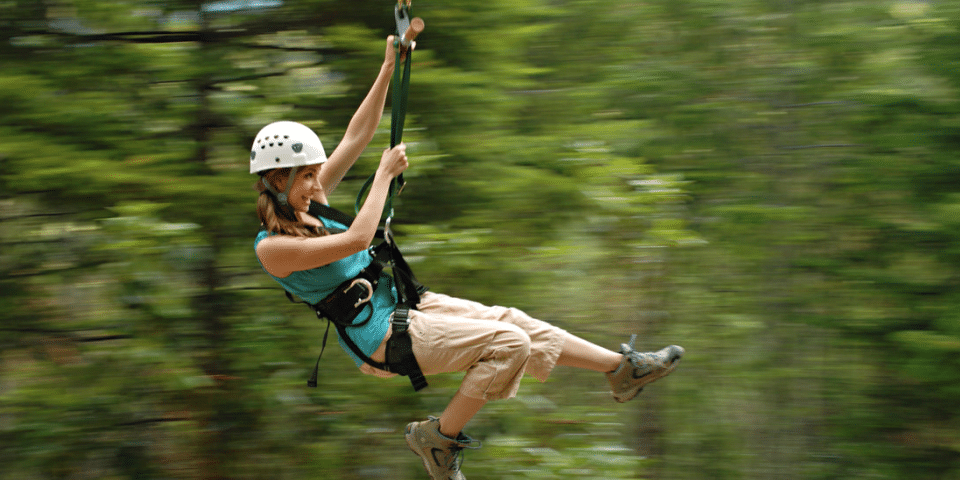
x=398, y=114
x=399, y=107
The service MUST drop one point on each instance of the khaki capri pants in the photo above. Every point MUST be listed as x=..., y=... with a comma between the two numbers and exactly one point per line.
x=495, y=345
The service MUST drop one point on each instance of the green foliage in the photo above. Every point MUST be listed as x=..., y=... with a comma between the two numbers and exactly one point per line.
x=771, y=185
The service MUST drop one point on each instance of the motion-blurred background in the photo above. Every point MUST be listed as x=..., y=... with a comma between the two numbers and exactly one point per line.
x=774, y=185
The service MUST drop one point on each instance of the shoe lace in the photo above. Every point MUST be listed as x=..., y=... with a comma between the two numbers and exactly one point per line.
x=457, y=450
x=634, y=356
x=646, y=360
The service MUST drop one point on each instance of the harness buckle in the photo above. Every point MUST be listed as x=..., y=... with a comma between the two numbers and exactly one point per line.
x=366, y=284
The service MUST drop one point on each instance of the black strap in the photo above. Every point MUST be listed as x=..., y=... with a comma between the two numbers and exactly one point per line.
x=409, y=288
x=320, y=210
x=312, y=383
x=399, y=354
x=400, y=357
x=356, y=350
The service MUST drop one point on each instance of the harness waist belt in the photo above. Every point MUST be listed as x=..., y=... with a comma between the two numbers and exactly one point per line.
x=348, y=301
x=350, y=298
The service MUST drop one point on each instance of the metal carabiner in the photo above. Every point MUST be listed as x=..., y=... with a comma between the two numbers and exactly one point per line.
x=366, y=283
x=402, y=17
x=387, y=232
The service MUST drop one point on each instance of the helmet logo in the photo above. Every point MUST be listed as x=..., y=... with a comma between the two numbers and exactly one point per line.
x=253, y=155
x=297, y=147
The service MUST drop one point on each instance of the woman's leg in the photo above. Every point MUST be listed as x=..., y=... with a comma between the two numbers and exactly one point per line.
x=494, y=356
x=579, y=353
x=458, y=412
x=546, y=341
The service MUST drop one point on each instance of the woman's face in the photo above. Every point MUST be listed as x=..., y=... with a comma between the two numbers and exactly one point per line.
x=305, y=186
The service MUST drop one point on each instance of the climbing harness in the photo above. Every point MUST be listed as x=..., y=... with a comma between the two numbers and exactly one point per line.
x=350, y=301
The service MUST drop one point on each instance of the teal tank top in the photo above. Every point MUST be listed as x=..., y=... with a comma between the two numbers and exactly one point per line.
x=315, y=284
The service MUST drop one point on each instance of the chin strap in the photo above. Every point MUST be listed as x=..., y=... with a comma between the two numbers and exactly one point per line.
x=282, y=200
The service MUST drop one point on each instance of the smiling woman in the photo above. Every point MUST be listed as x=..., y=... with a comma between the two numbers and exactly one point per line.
x=326, y=260
x=279, y=216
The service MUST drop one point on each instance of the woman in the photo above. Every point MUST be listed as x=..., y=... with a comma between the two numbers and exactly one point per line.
x=311, y=256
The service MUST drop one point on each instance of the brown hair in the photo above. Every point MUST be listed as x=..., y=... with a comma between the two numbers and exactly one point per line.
x=267, y=207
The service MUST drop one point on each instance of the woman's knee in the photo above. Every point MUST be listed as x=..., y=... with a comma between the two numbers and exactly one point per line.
x=514, y=343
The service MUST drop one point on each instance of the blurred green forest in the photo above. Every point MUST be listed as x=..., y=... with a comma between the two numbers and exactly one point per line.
x=774, y=185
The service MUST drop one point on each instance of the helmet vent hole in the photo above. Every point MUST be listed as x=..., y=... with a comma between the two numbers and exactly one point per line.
x=278, y=159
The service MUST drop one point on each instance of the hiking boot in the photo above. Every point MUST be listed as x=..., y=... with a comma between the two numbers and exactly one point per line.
x=637, y=369
x=441, y=455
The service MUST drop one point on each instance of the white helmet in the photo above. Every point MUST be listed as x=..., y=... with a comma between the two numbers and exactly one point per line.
x=285, y=144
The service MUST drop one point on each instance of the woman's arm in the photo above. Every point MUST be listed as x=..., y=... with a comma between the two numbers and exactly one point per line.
x=361, y=128
x=282, y=255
